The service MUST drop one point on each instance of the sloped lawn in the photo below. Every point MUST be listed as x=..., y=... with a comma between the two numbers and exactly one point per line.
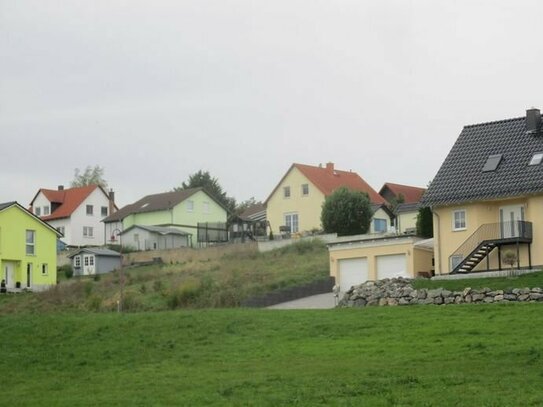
x=464, y=355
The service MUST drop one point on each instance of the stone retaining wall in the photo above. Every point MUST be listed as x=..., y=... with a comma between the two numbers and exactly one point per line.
x=398, y=291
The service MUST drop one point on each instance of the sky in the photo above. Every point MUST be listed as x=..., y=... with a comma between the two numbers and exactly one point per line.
x=153, y=91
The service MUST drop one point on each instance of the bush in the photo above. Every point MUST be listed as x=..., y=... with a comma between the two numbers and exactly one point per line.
x=185, y=294
x=132, y=301
x=94, y=302
x=67, y=269
x=346, y=212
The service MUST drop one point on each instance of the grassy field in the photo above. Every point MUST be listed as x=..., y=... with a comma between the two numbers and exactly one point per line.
x=495, y=283
x=223, y=282
x=464, y=355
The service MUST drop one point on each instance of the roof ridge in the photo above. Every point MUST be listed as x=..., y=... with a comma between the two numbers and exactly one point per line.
x=495, y=121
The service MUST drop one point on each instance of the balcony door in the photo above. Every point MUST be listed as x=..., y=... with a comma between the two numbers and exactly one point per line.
x=511, y=218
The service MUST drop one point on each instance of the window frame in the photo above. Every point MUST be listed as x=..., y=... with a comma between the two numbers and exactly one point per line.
x=77, y=261
x=375, y=225
x=30, y=244
x=46, y=211
x=90, y=210
x=305, y=189
x=456, y=228
x=104, y=211
x=190, y=205
x=286, y=192
x=289, y=221
x=88, y=232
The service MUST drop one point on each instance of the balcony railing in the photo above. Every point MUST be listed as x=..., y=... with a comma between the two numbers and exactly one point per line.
x=499, y=233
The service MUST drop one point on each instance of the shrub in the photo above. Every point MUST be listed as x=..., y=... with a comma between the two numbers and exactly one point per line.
x=96, y=277
x=67, y=269
x=346, y=212
x=184, y=295
x=509, y=257
x=94, y=302
x=132, y=301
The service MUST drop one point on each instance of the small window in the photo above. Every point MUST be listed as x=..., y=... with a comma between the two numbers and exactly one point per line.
x=88, y=231
x=77, y=261
x=91, y=261
x=536, y=159
x=45, y=210
x=459, y=220
x=380, y=225
x=44, y=269
x=190, y=206
x=305, y=189
x=30, y=242
x=86, y=260
x=286, y=192
x=492, y=162
x=90, y=209
x=206, y=207
x=136, y=237
x=103, y=211
x=60, y=230
x=37, y=211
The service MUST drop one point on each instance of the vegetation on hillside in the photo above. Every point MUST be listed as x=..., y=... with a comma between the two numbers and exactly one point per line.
x=224, y=282
x=465, y=355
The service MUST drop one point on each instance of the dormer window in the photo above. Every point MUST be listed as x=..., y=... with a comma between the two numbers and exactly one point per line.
x=536, y=159
x=492, y=162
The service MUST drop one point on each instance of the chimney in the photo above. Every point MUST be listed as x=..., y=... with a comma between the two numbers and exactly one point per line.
x=533, y=121
x=330, y=167
x=61, y=187
x=111, y=196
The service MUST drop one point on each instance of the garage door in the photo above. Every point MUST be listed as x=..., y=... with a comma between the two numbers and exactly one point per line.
x=352, y=272
x=394, y=265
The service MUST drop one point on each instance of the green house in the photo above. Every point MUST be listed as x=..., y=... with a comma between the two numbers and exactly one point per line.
x=193, y=211
x=28, y=249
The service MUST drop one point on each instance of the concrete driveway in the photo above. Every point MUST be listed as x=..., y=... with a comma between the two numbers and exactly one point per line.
x=319, y=301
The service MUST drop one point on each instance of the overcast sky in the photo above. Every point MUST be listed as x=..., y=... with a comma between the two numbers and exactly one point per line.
x=156, y=90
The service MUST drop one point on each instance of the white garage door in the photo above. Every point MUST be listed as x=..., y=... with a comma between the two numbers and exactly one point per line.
x=394, y=265
x=352, y=272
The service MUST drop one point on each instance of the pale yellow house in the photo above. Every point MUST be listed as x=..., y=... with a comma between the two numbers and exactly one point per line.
x=296, y=201
x=487, y=197
x=355, y=262
x=404, y=199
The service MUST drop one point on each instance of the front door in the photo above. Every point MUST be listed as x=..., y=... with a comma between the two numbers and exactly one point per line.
x=9, y=274
x=88, y=264
x=511, y=218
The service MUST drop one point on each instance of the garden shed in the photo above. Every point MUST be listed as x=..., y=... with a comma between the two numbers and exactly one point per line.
x=91, y=261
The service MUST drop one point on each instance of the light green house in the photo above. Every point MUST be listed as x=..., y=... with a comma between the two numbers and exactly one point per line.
x=28, y=249
x=184, y=210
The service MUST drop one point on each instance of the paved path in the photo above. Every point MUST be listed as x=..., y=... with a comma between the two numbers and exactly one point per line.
x=319, y=301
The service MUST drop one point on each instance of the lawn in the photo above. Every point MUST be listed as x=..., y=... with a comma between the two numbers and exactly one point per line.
x=463, y=355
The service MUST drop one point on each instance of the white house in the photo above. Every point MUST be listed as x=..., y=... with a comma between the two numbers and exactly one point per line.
x=75, y=212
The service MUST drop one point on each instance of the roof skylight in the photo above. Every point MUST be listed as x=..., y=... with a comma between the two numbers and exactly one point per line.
x=492, y=162
x=536, y=159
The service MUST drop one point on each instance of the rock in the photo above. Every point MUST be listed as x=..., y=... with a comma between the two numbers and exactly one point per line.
x=392, y=301
x=422, y=293
x=466, y=291
x=383, y=301
x=537, y=290
x=536, y=296
x=494, y=293
x=446, y=293
x=499, y=297
x=458, y=299
x=510, y=297
x=438, y=300
x=488, y=299
x=477, y=297
x=523, y=297
x=360, y=302
x=524, y=291
x=448, y=300
x=468, y=299
x=403, y=301
x=434, y=293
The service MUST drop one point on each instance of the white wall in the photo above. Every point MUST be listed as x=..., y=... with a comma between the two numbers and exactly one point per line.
x=79, y=219
x=113, y=229
x=147, y=240
x=40, y=202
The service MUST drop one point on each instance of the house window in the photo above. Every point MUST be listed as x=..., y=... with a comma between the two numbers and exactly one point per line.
x=30, y=242
x=459, y=220
x=37, y=211
x=86, y=260
x=190, y=206
x=291, y=220
x=45, y=210
x=60, y=230
x=104, y=211
x=379, y=225
x=286, y=192
x=87, y=231
x=28, y=274
x=136, y=237
x=305, y=189
x=44, y=269
x=91, y=260
x=77, y=261
x=206, y=207
x=90, y=209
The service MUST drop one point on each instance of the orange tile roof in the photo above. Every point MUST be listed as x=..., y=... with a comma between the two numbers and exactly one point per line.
x=410, y=194
x=69, y=200
x=327, y=180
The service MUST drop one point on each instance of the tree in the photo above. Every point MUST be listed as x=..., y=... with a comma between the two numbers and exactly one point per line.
x=396, y=201
x=203, y=179
x=243, y=206
x=346, y=212
x=425, y=223
x=91, y=176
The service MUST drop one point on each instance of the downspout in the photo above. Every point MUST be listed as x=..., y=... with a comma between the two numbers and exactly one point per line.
x=438, y=246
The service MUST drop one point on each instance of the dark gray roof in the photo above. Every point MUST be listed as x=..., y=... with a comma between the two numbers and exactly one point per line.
x=152, y=203
x=407, y=207
x=96, y=251
x=162, y=230
x=461, y=178
x=6, y=205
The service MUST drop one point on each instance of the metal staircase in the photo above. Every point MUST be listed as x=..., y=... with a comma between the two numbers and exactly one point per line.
x=485, y=239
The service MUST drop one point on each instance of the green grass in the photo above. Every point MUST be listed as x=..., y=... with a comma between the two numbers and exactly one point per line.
x=495, y=283
x=464, y=355
x=223, y=282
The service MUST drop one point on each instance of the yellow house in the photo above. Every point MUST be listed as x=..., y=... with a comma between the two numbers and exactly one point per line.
x=28, y=249
x=405, y=201
x=487, y=198
x=357, y=261
x=296, y=201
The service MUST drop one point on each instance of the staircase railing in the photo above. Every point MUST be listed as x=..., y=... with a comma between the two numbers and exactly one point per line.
x=502, y=231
